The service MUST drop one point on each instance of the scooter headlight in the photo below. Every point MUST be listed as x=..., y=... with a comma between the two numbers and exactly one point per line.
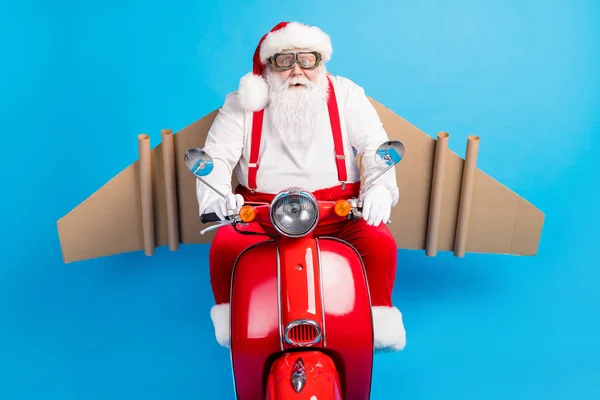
x=294, y=212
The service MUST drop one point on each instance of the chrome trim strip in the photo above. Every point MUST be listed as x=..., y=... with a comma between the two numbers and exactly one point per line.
x=279, y=317
x=320, y=262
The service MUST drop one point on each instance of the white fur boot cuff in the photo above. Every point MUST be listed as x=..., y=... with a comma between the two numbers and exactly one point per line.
x=219, y=314
x=388, y=328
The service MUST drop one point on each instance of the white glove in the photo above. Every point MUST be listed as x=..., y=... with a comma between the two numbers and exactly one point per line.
x=377, y=205
x=223, y=209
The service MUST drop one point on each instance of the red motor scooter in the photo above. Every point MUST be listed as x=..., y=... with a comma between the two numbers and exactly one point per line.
x=300, y=318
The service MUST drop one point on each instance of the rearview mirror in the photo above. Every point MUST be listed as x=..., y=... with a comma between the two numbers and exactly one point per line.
x=391, y=152
x=198, y=162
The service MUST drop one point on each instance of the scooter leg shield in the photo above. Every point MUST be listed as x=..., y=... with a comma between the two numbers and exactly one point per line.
x=303, y=375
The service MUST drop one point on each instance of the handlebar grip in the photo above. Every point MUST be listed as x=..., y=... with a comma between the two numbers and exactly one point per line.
x=209, y=217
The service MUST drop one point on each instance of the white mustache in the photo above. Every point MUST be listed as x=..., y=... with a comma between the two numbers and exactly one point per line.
x=295, y=80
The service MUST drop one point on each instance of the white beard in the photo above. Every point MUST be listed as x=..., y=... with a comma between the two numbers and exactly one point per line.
x=297, y=112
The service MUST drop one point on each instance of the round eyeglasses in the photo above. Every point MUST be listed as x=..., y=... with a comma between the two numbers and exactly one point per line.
x=305, y=59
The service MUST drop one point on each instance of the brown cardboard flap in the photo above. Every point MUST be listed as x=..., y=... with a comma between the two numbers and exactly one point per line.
x=108, y=222
x=499, y=221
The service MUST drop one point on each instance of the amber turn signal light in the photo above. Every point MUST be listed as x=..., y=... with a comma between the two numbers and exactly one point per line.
x=247, y=214
x=342, y=208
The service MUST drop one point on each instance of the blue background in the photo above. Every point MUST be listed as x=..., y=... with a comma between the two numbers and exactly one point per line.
x=80, y=80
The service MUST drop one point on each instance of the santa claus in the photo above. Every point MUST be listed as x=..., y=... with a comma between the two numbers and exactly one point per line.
x=290, y=123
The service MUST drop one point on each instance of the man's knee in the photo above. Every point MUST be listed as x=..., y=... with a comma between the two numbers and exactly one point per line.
x=222, y=255
x=381, y=238
x=224, y=249
x=221, y=241
x=383, y=235
x=374, y=243
x=386, y=240
x=227, y=245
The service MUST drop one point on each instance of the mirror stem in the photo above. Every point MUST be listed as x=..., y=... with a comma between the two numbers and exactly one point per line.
x=212, y=187
x=369, y=183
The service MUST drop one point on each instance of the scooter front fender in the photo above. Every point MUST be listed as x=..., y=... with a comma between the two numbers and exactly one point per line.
x=303, y=375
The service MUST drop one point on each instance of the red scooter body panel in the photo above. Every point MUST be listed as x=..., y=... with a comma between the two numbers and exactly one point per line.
x=321, y=380
x=255, y=336
x=321, y=280
x=348, y=323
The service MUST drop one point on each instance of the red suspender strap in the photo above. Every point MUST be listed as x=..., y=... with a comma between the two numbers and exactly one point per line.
x=334, y=117
x=257, y=121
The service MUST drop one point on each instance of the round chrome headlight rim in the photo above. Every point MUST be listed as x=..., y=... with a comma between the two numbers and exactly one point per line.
x=281, y=196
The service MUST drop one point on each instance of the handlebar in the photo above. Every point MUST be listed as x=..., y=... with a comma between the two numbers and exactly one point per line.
x=209, y=217
x=261, y=212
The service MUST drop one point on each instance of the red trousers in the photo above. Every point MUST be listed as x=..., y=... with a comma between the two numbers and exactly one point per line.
x=376, y=245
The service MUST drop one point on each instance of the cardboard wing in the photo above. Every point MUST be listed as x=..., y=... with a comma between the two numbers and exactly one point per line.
x=446, y=203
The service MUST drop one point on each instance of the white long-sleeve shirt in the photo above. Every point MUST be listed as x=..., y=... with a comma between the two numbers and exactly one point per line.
x=229, y=139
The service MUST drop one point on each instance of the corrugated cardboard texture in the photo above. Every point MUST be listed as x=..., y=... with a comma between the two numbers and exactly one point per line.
x=501, y=222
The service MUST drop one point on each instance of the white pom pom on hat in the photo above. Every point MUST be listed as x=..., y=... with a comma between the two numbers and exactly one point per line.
x=253, y=90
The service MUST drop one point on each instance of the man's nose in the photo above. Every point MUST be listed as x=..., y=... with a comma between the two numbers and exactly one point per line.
x=296, y=70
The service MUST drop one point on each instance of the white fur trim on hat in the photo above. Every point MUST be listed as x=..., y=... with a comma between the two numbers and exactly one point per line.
x=253, y=92
x=296, y=35
x=219, y=314
x=388, y=328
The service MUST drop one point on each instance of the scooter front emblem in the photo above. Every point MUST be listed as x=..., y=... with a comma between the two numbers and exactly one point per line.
x=298, y=376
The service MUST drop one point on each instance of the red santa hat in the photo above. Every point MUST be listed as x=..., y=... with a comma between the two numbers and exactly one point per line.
x=253, y=90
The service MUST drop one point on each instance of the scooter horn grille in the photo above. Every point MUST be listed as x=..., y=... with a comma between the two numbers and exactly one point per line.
x=302, y=333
